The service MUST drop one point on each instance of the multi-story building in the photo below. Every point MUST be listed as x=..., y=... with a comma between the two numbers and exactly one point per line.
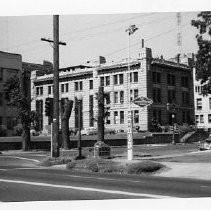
x=10, y=65
x=202, y=106
x=165, y=82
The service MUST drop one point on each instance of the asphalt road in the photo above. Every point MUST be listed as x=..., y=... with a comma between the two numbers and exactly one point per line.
x=22, y=180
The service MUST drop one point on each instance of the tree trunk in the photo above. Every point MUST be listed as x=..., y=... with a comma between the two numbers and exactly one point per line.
x=100, y=121
x=25, y=109
x=65, y=123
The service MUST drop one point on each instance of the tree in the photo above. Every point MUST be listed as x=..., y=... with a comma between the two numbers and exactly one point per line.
x=203, y=56
x=16, y=95
x=68, y=105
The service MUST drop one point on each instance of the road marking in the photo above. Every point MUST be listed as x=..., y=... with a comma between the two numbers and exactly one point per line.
x=1, y=169
x=22, y=158
x=86, y=189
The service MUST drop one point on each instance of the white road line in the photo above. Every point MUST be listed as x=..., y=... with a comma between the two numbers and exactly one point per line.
x=1, y=169
x=85, y=189
x=22, y=158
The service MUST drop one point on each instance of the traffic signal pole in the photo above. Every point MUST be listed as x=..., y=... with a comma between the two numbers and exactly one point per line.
x=55, y=126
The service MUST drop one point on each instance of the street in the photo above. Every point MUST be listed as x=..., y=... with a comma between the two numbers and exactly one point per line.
x=22, y=180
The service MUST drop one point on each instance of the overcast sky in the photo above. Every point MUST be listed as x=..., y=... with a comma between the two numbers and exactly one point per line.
x=88, y=36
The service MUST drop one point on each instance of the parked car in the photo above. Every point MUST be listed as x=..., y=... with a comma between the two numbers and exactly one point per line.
x=205, y=145
x=89, y=131
x=33, y=132
x=93, y=131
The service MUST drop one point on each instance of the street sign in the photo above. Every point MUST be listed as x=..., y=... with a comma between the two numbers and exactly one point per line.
x=142, y=101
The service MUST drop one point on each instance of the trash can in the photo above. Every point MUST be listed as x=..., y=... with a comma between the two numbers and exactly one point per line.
x=102, y=150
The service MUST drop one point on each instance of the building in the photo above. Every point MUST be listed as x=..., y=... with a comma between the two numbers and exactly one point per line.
x=202, y=106
x=10, y=65
x=165, y=82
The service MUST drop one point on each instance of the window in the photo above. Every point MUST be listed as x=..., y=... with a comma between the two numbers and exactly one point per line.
x=107, y=98
x=135, y=77
x=171, y=96
x=136, y=116
x=115, y=117
x=102, y=81
x=131, y=79
x=39, y=91
x=62, y=88
x=196, y=89
x=115, y=97
x=121, y=97
x=185, y=82
x=131, y=95
x=49, y=89
x=121, y=117
x=1, y=120
x=156, y=77
x=121, y=79
x=171, y=79
x=185, y=116
x=107, y=80
x=1, y=74
x=115, y=80
x=199, y=104
x=209, y=118
x=157, y=95
x=185, y=98
x=210, y=103
x=78, y=86
x=157, y=116
x=90, y=84
x=67, y=87
x=91, y=112
x=135, y=93
x=201, y=118
x=1, y=99
x=81, y=85
x=108, y=121
x=197, y=118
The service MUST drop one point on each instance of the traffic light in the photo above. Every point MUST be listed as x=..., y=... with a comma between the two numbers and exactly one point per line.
x=49, y=107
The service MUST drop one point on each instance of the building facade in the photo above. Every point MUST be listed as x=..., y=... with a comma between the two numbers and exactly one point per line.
x=202, y=106
x=10, y=65
x=165, y=82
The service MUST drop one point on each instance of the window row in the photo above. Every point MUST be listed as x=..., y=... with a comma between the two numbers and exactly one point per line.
x=171, y=96
x=171, y=79
x=198, y=89
x=119, y=117
x=200, y=118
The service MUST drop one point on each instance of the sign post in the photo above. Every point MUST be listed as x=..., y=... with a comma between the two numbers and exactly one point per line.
x=141, y=102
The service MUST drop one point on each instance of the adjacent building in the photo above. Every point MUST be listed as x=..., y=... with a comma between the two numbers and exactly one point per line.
x=10, y=65
x=165, y=82
x=202, y=106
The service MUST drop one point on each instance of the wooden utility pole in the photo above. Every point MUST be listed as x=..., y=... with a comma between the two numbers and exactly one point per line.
x=56, y=43
x=55, y=139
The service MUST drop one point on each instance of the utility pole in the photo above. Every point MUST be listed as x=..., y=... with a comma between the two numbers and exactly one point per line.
x=55, y=133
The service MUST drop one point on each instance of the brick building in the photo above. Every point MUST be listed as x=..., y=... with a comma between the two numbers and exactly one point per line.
x=161, y=80
x=10, y=65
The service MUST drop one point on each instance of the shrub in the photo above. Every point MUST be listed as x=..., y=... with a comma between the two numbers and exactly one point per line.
x=3, y=130
x=18, y=130
x=55, y=161
x=71, y=165
x=143, y=167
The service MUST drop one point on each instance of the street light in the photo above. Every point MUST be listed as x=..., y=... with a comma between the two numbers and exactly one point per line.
x=130, y=30
x=79, y=103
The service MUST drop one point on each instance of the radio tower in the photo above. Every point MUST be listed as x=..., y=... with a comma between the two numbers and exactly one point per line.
x=179, y=33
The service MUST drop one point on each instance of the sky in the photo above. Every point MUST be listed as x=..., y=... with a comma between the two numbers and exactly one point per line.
x=89, y=36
